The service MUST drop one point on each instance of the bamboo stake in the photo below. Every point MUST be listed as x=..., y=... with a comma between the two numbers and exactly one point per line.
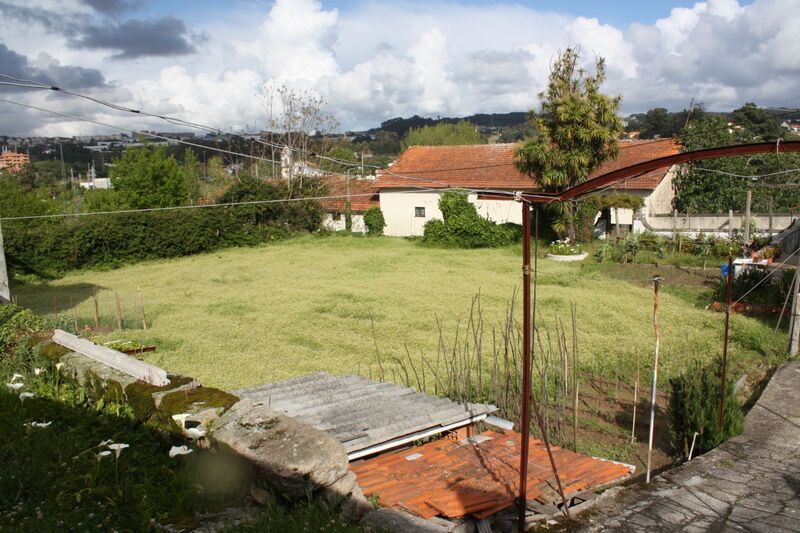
x=575, y=376
x=119, y=311
x=74, y=315
x=654, y=384
x=96, y=310
x=635, y=397
x=141, y=307
x=728, y=297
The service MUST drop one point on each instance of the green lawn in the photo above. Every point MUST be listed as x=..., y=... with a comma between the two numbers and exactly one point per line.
x=246, y=316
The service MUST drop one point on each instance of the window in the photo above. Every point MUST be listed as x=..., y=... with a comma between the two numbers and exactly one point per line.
x=419, y=212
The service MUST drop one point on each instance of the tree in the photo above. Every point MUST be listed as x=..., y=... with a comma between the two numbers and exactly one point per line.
x=145, y=178
x=713, y=186
x=578, y=129
x=760, y=124
x=191, y=176
x=443, y=134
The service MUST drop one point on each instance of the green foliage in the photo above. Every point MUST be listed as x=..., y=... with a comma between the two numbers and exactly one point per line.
x=15, y=320
x=443, y=134
x=708, y=191
x=145, y=178
x=191, y=175
x=659, y=122
x=694, y=407
x=373, y=219
x=752, y=286
x=463, y=227
x=49, y=248
x=586, y=210
x=16, y=200
x=578, y=128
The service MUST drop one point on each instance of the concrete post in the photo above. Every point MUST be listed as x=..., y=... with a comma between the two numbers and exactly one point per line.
x=794, y=321
x=5, y=291
x=730, y=223
x=747, y=215
x=674, y=224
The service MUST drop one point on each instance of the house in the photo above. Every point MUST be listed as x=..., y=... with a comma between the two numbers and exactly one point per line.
x=409, y=189
x=363, y=195
x=13, y=161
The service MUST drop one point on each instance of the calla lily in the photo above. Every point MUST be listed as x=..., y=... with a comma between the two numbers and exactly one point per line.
x=16, y=377
x=117, y=448
x=15, y=386
x=181, y=419
x=195, y=433
x=104, y=453
x=179, y=450
x=105, y=443
x=38, y=371
x=25, y=395
x=59, y=365
x=38, y=424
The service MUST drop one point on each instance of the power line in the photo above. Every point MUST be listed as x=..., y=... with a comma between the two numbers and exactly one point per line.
x=766, y=277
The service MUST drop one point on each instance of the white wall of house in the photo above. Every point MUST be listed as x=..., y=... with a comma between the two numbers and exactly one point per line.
x=336, y=222
x=401, y=214
x=406, y=212
x=659, y=201
x=499, y=211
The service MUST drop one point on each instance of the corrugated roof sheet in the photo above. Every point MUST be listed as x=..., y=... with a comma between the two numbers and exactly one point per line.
x=477, y=476
x=361, y=413
x=480, y=166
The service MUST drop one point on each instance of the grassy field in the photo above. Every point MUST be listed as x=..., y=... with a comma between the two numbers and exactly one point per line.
x=247, y=316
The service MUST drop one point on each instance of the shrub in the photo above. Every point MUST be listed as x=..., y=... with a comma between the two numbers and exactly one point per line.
x=753, y=287
x=373, y=219
x=694, y=407
x=463, y=227
x=49, y=248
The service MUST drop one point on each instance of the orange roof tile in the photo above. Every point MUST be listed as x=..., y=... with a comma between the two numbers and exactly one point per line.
x=458, y=478
x=487, y=166
x=337, y=186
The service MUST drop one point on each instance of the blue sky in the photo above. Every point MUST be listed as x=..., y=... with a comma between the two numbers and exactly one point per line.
x=217, y=62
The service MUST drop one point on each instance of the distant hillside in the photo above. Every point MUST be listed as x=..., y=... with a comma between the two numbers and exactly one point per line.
x=400, y=125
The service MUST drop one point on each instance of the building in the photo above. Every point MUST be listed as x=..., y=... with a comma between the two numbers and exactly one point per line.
x=409, y=190
x=13, y=161
x=363, y=195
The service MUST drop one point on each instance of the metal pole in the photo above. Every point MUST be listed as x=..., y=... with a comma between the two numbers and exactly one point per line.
x=728, y=299
x=525, y=420
x=5, y=290
x=653, y=386
x=528, y=399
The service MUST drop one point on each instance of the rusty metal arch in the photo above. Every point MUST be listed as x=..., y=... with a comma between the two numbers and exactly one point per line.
x=662, y=162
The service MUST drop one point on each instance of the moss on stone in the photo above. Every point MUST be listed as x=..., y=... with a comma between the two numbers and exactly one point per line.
x=196, y=399
x=52, y=351
x=140, y=395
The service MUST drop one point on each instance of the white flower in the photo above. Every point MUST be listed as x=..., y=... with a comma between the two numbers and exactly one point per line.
x=179, y=450
x=105, y=443
x=38, y=371
x=195, y=433
x=117, y=448
x=59, y=365
x=181, y=419
x=25, y=395
x=104, y=453
x=15, y=386
x=16, y=377
x=38, y=424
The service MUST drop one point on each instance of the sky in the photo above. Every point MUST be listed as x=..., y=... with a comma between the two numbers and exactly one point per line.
x=220, y=63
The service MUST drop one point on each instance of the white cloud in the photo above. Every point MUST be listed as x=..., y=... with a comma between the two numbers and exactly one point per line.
x=377, y=61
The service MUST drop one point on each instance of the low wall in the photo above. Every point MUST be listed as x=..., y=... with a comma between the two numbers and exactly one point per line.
x=336, y=222
x=720, y=224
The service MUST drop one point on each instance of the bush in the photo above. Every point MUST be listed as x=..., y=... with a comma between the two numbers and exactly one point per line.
x=373, y=219
x=753, y=287
x=50, y=248
x=694, y=407
x=463, y=227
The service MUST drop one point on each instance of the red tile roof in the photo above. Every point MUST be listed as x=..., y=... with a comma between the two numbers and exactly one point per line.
x=458, y=478
x=487, y=166
x=337, y=186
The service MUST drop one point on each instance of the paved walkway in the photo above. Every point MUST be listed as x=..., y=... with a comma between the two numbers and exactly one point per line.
x=750, y=483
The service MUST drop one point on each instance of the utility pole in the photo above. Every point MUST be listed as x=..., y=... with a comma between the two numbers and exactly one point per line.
x=5, y=290
x=63, y=169
x=653, y=386
x=747, y=214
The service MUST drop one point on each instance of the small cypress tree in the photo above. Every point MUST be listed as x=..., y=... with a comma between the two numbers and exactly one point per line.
x=373, y=219
x=694, y=407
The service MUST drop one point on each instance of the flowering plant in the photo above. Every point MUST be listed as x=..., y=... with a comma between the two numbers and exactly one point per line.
x=564, y=247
